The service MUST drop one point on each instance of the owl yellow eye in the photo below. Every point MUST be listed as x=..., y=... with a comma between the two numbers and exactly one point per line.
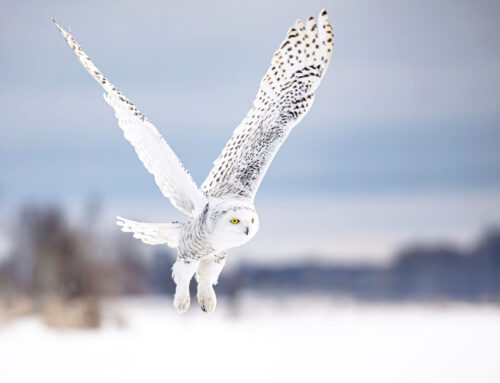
x=235, y=220
x=252, y=220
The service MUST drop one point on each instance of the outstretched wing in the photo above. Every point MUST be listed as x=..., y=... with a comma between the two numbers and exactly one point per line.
x=152, y=233
x=285, y=95
x=171, y=176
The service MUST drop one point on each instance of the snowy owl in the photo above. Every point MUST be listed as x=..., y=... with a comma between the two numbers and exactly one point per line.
x=221, y=214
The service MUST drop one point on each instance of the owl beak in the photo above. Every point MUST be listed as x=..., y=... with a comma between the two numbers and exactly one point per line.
x=247, y=230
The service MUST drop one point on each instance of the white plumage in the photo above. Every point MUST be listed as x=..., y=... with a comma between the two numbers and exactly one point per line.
x=221, y=214
x=152, y=233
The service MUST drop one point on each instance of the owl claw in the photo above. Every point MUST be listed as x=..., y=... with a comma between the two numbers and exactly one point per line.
x=207, y=298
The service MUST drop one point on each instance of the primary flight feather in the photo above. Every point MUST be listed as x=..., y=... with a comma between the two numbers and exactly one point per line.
x=221, y=214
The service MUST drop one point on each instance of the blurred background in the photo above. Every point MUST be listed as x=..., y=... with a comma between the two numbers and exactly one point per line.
x=378, y=257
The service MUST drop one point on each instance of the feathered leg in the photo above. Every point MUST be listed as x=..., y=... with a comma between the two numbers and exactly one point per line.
x=182, y=273
x=207, y=274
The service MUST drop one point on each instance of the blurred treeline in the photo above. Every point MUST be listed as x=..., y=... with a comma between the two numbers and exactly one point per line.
x=63, y=272
x=419, y=273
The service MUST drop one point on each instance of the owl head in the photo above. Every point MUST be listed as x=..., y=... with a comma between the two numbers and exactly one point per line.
x=232, y=224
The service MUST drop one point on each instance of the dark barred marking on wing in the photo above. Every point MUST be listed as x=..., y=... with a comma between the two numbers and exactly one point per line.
x=285, y=95
x=170, y=175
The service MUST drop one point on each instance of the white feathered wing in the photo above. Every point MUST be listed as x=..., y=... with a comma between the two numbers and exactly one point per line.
x=152, y=233
x=171, y=176
x=285, y=95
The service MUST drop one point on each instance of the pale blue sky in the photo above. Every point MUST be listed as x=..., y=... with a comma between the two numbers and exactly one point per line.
x=410, y=105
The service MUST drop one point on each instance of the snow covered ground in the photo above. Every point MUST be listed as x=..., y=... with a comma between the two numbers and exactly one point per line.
x=263, y=340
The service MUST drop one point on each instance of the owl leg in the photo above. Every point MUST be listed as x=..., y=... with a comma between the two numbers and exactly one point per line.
x=207, y=274
x=182, y=273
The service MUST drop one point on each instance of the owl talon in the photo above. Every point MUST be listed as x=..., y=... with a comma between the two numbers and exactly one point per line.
x=207, y=298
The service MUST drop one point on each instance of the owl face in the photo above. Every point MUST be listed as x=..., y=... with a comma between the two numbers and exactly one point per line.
x=234, y=226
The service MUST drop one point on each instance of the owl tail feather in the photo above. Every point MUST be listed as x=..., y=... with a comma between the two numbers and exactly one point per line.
x=152, y=233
